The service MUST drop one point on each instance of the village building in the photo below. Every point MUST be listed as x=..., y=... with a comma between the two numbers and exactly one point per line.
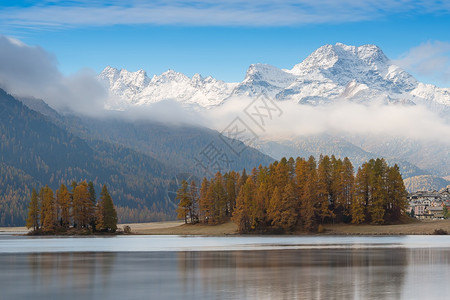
x=429, y=204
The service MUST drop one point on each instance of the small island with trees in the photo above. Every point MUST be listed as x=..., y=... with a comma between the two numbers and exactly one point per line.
x=298, y=195
x=71, y=212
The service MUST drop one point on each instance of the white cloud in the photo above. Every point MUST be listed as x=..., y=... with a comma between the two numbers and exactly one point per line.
x=32, y=72
x=414, y=122
x=208, y=12
x=430, y=59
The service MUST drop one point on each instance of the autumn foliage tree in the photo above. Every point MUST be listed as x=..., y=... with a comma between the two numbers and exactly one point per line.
x=299, y=194
x=56, y=212
x=380, y=195
x=64, y=202
x=83, y=208
x=185, y=202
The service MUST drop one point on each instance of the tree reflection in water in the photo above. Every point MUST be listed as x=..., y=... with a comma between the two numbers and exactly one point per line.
x=326, y=273
x=295, y=274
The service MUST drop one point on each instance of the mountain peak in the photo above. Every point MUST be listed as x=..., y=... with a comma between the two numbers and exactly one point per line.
x=361, y=74
x=329, y=56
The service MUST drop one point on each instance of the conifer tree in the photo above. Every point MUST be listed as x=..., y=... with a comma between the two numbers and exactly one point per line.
x=242, y=179
x=106, y=213
x=203, y=202
x=290, y=201
x=336, y=188
x=282, y=174
x=93, y=198
x=259, y=209
x=185, y=202
x=92, y=195
x=396, y=195
x=324, y=195
x=40, y=201
x=301, y=177
x=347, y=180
x=377, y=188
x=241, y=214
x=274, y=210
x=63, y=201
x=48, y=210
x=83, y=208
x=309, y=209
x=220, y=199
x=231, y=193
x=33, y=211
x=193, y=209
x=360, y=195
x=73, y=185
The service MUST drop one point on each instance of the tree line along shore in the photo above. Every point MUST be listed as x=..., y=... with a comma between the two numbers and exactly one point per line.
x=297, y=194
x=76, y=211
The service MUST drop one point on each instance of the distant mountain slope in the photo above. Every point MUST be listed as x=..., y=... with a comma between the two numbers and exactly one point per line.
x=425, y=183
x=15, y=187
x=180, y=147
x=434, y=157
x=184, y=148
x=326, y=144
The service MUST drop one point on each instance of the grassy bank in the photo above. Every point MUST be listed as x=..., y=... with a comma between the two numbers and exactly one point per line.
x=413, y=228
x=179, y=228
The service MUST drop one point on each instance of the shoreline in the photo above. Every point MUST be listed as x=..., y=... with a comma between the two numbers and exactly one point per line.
x=229, y=228
x=415, y=227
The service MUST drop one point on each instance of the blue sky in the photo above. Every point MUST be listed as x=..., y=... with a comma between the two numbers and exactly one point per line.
x=223, y=38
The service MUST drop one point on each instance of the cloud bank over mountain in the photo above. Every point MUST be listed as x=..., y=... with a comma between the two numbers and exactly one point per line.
x=28, y=71
x=340, y=118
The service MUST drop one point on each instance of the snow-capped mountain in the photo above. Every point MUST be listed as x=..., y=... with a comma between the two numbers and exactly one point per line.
x=136, y=88
x=331, y=73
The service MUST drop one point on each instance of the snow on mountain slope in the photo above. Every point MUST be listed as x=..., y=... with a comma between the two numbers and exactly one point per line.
x=328, y=73
x=331, y=73
x=264, y=79
x=135, y=88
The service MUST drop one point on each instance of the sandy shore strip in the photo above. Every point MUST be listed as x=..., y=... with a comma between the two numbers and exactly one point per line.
x=14, y=229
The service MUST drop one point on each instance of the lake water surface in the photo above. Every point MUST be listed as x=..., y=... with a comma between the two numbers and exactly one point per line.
x=254, y=267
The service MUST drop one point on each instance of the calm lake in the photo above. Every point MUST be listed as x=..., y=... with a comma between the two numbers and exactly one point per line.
x=254, y=267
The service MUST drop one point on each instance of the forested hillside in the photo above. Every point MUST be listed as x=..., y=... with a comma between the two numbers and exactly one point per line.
x=34, y=150
x=425, y=182
x=15, y=187
x=325, y=143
